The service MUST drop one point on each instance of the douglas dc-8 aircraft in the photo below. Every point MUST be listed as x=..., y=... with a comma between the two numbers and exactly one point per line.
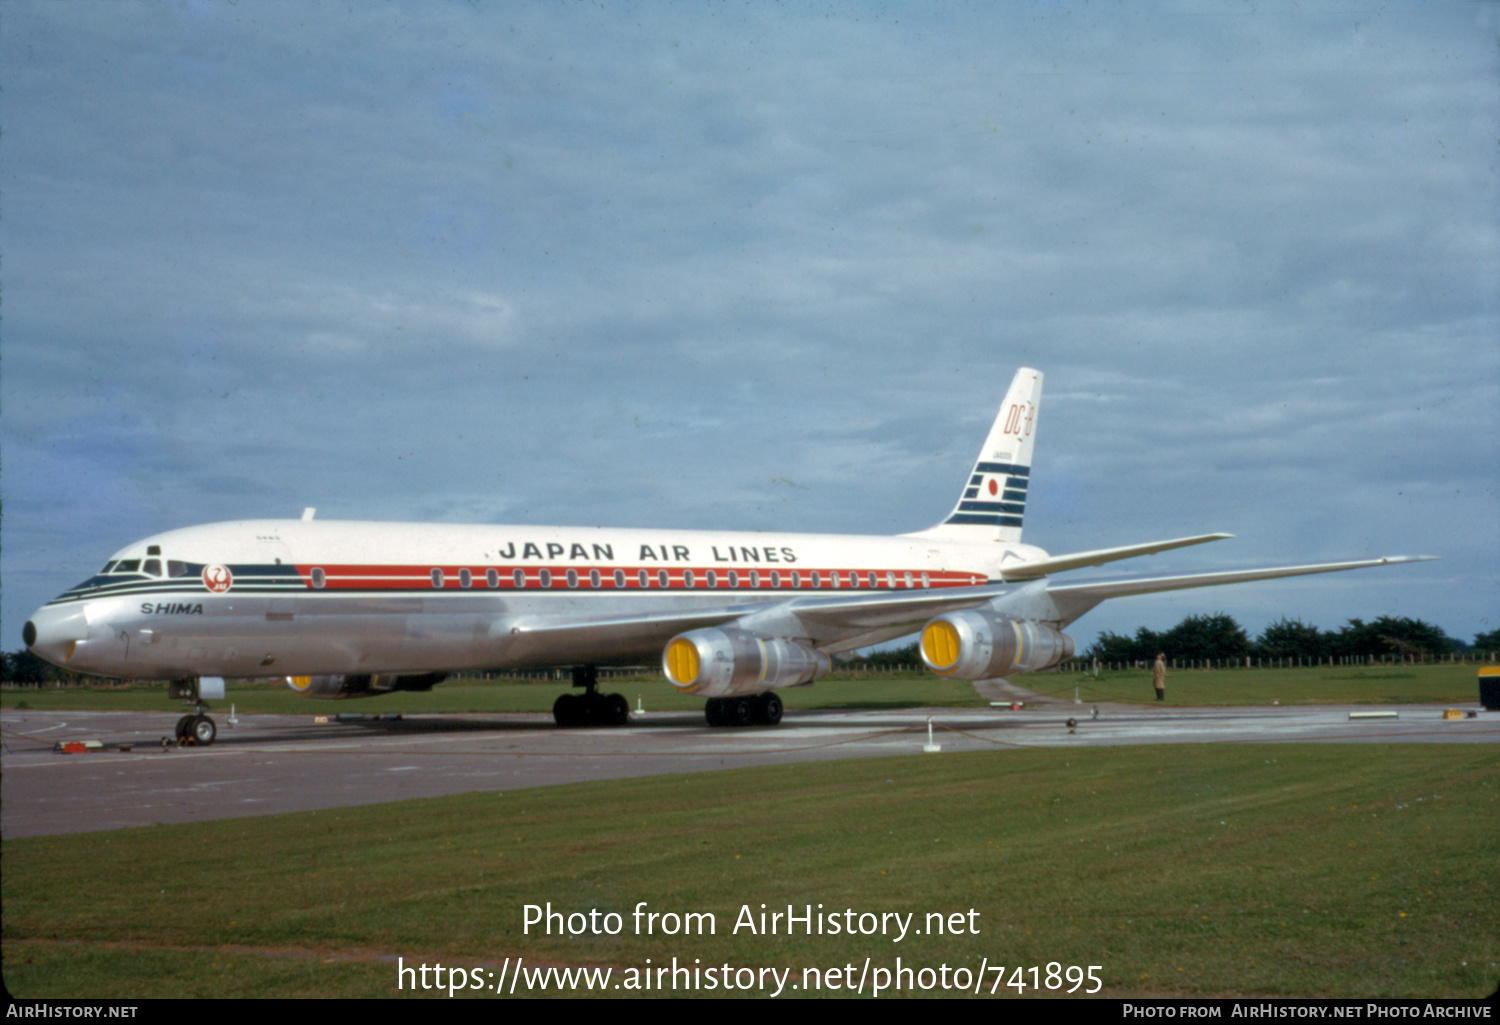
x=352, y=609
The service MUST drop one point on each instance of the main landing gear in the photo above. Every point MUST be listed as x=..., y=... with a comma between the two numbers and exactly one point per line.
x=752, y=710
x=590, y=708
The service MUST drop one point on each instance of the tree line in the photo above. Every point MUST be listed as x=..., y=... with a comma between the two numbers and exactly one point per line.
x=1218, y=636
x=24, y=667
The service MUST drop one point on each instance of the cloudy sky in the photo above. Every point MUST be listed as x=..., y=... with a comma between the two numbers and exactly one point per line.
x=765, y=267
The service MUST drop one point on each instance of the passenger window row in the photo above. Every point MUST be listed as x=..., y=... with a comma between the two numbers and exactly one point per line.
x=662, y=579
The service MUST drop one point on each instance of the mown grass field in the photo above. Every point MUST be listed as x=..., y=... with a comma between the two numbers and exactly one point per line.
x=1313, y=685
x=480, y=696
x=1276, y=870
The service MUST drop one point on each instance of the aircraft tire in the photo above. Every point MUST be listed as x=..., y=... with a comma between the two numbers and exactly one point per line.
x=592, y=709
x=618, y=709
x=184, y=727
x=742, y=712
x=713, y=711
x=204, y=732
x=565, y=710
x=768, y=709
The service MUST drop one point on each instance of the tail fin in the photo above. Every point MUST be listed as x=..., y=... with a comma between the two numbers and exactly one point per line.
x=993, y=501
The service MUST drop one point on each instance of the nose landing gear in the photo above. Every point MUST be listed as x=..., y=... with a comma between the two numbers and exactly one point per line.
x=197, y=729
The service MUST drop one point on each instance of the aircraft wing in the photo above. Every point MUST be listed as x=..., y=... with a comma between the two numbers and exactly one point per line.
x=837, y=624
x=626, y=640
x=831, y=623
x=1073, y=600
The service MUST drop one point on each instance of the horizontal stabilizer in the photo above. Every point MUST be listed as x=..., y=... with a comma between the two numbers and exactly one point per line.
x=1058, y=563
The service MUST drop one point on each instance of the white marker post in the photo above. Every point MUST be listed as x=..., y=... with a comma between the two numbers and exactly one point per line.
x=930, y=747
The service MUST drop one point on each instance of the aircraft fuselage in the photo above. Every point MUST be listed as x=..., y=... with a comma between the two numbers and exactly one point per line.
x=272, y=598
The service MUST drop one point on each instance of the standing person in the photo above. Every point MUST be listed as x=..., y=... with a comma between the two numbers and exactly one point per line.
x=1159, y=676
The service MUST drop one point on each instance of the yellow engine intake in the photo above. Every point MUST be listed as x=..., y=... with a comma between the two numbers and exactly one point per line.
x=977, y=644
x=718, y=663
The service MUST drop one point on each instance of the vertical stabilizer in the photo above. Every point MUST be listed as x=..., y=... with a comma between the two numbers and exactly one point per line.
x=993, y=501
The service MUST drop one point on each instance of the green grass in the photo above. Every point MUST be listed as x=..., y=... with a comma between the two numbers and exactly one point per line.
x=462, y=696
x=1312, y=685
x=1275, y=870
x=1315, y=685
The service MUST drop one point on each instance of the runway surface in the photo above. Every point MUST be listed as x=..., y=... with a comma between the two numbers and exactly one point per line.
x=280, y=763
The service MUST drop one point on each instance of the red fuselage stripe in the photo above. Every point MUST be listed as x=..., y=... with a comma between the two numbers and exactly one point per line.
x=364, y=577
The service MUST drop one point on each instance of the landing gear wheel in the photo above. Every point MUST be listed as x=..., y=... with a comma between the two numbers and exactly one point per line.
x=565, y=710
x=754, y=710
x=590, y=708
x=768, y=709
x=184, y=727
x=203, y=730
x=617, y=710
x=742, y=711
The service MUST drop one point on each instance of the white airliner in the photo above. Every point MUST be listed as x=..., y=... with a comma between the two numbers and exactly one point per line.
x=352, y=609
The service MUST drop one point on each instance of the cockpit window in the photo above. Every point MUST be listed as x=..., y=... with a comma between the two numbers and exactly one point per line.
x=128, y=566
x=152, y=566
x=107, y=567
x=176, y=568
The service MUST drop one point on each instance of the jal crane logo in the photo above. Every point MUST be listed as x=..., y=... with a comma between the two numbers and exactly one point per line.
x=217, y=578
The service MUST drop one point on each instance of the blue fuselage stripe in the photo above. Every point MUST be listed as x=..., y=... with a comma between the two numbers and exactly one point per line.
x=1006, y=468
x=984, y=520
x=992, y=507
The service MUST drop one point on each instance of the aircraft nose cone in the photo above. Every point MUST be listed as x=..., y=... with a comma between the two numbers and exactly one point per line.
x=53, y=632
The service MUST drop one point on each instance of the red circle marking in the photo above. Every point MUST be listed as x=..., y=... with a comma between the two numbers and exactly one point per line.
x=217, y=578
x=994, y=488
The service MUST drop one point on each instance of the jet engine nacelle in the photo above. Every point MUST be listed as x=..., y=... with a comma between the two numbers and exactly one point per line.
x=976, y=644
x=360, y=685
x=717, y=663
